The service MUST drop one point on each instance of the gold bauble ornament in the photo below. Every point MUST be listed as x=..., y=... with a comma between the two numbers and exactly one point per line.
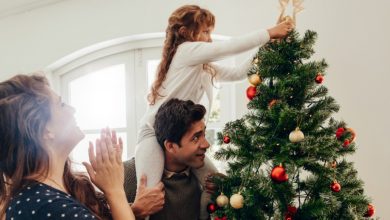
x=254, y=79
x=237, y=201
x=296, y=136
x=222, y=200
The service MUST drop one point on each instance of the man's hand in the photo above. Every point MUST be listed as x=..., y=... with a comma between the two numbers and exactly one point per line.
x=210, y=186
x=148, y=200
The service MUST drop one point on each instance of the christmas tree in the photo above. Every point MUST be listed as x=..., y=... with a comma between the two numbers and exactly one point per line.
x=287, y=156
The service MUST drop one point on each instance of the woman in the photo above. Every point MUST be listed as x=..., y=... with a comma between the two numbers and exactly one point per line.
x=38, y=132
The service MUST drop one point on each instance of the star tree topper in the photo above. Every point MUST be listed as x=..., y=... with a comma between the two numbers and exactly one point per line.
x=297, y=7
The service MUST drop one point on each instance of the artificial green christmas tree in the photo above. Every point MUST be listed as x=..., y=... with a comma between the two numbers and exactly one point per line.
x=287, y=156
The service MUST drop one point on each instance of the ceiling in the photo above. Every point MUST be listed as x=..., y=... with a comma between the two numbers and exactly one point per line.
x=12, y=7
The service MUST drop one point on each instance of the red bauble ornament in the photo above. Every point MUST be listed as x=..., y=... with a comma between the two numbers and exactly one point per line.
x=370, y=211
x=319, y=78
x=288, y=217
x=226, y=139
x=291, y=209
x=220, y=218
x=339, y=132
x=211, y=208
x=335, y=186
x=278, y=174
x=251, y=92
x=346, y=143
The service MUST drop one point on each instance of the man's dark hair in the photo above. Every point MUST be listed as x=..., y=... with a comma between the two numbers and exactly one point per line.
x=174, y=118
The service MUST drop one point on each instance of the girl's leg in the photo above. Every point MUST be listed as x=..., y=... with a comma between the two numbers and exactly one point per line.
x=149, y=160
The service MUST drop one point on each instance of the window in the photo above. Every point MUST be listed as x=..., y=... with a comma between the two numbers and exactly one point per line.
x=108, y=87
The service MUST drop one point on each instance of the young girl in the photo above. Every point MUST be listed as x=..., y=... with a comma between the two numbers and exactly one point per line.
x=186, y=72
x=38, y=132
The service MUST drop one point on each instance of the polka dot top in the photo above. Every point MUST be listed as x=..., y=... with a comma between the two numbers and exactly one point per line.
x=40, y=201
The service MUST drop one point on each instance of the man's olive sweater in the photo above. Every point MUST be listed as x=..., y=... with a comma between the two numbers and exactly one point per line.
x=182, y=194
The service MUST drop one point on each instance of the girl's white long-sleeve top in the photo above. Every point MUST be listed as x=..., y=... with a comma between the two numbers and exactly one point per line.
x=187, y=80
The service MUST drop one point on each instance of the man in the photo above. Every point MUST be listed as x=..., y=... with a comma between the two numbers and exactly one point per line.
x=180, y=130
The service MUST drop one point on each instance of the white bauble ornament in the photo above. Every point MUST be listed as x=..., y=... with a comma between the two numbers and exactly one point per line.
x=237, y=201
x=296, y=136
x=222, y=200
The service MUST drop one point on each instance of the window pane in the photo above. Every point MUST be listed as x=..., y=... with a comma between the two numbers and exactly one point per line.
x=215, y=111
x=99, y=98
x=152, y=68
x=80, y=152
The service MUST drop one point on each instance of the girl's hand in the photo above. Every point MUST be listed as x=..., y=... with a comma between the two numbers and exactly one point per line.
x=106, y=168
x=281, y=30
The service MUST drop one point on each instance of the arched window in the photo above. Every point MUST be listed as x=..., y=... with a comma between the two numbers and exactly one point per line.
x=107, y=84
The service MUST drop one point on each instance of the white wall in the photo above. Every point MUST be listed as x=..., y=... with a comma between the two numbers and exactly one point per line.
x=353, y=38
